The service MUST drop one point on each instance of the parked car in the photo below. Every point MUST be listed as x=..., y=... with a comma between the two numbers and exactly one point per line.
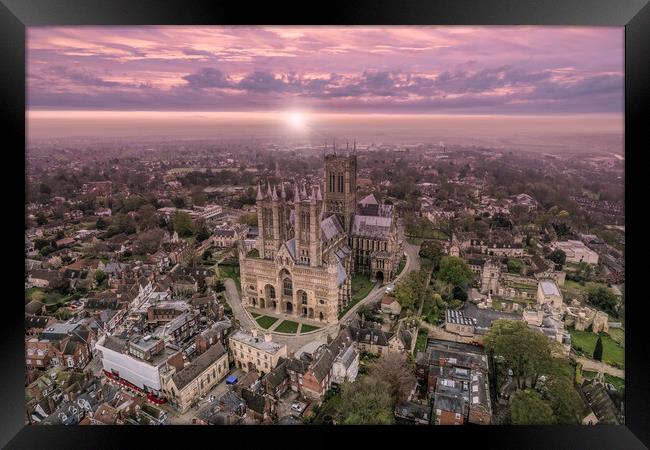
x=297, y=407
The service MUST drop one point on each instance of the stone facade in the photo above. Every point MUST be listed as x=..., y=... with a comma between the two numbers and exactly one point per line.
x=490, y=278
x=310, y=247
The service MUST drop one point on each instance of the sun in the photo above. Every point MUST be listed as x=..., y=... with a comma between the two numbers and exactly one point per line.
x=296, y=120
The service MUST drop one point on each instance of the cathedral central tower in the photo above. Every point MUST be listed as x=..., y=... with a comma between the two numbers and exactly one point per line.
x=341, y=188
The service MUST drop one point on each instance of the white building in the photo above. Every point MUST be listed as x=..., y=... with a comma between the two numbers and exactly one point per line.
x=548, y=292
x=138, y=362
x=346, y=365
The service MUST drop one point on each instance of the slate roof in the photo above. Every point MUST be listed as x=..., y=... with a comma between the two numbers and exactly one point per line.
x=291, y=246
x=254, y=401
x=36, y=322
x=447, y=402
x=183, y=377
x=600, y=402
x=330, y=227
x=370, y=335
x=34, y=306
x=371, y=226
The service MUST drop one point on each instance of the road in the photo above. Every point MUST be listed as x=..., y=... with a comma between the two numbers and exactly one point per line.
x=597, y=366
x=295, y=342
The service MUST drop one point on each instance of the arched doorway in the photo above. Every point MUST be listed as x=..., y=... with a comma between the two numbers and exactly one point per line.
x=304, y=311
x=289, y=307
x=320, y=316
x=262, y=303
x=273, y=304
x=254, y=302
x=379, y=276
x=310, y=314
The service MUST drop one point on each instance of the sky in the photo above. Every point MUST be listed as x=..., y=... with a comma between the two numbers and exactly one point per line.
x=310, y=74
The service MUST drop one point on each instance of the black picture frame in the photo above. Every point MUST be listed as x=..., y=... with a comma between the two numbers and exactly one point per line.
x=16, y=15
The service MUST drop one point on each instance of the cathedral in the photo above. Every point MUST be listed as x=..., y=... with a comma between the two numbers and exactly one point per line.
x=310, y=245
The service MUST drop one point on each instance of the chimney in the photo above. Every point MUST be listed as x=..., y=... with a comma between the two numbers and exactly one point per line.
x=254, y=332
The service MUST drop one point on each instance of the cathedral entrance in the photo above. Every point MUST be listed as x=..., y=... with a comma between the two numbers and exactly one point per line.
x=304, y=311
x=320, y=316
x=262, y=303
x=311, y=313
x=289, y=307
x=379, y=276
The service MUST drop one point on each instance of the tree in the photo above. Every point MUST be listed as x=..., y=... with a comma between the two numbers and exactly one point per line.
x=147, y=217
x=249, y=219
x=183, y=224
x=148, y=242
x=564, y=400
x=526, y=351
x=41, y=219
x=45, y=189
x=101, y=224
x=202, y=232
x=412, y=290
x=431, y=250
x=100, y=277
x=366, y=402
x=454, y=270
x=528, y=408
x=598, y=350
x=218, y=285
x=179, y=202
x=558, y=257
x=395, y=370
x=207, y=254
x=603, y=298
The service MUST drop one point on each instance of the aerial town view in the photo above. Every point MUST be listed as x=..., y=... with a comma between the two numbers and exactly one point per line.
x=324, y=226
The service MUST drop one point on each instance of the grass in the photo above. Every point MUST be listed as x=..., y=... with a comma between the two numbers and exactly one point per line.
x=287, y=326
x=585, y=342
x=34, y=293
x=305, y=328
x=230, y=271
x=361, y=287
x=402, y=264
x=266, y=321
x=617, y=334
x=414, y=241
x=254, y=314
x=421, y=341
x=617, y=382
x=588, y=374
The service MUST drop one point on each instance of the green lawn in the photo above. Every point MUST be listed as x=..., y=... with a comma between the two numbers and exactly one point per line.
x=402, y=264
x=439, y=234
x=266, y=321
x=618, y=334
x=361, y=286
x=254, y=314
x=288, y=326
x=230, y=271
x=588, y=374
x=585, y=341
x=421, y=341
x=34, y=293
x=618, y=383
x=307, y=328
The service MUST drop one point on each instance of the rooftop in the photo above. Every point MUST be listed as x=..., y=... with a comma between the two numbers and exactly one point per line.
x=257, y=342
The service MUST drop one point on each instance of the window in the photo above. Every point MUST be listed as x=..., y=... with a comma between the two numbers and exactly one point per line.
x=287, y=287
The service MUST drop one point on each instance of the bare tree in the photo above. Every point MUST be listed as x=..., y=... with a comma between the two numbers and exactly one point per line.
x=397, y=371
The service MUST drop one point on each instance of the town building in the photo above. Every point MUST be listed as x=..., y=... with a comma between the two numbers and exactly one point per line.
x=576, y=251
x=253, y=352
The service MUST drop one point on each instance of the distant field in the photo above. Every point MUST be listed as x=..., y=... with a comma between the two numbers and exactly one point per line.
x=266, y=321
x=288, y=326
x=307, y=328
x=585, y=341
